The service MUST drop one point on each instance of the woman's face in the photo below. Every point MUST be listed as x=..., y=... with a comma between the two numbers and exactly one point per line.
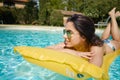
x=72, y=37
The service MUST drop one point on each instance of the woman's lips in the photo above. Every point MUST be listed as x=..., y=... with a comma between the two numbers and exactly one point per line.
x=65, y=42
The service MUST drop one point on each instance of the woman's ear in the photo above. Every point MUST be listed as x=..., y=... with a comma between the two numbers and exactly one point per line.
x=83, y=38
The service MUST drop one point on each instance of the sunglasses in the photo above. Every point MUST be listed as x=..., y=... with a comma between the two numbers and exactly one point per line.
x=68, y=32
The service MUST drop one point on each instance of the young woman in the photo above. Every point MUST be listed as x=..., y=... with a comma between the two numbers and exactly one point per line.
x=80, y=39
x=112, y=30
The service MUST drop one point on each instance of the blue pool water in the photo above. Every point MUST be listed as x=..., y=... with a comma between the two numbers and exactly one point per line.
x=14, y=67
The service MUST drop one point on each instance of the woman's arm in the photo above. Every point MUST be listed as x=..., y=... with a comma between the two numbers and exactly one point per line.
x=60, y=47
x=97, y=59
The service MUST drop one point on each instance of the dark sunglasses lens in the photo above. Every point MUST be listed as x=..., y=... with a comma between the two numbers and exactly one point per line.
x=64, y=31
x=67, y=32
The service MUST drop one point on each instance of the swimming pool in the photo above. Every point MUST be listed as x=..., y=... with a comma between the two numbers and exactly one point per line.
x=14, y=67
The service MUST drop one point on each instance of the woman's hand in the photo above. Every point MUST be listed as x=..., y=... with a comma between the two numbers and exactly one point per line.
x=87, y=55
x=59, y=47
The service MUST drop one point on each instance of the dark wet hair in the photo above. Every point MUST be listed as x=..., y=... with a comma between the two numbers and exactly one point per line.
x=86, y=28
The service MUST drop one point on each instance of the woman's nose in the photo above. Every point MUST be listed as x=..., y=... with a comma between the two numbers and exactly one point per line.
x=65, y=36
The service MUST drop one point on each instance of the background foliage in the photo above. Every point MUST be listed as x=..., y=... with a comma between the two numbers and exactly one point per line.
x=13, y=15
x=48, y=11
x=96, y=9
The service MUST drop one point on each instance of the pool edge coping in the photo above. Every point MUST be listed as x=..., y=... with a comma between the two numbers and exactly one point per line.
x=30, y=27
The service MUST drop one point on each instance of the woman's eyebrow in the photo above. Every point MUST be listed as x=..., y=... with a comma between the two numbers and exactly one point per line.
x=68, y=30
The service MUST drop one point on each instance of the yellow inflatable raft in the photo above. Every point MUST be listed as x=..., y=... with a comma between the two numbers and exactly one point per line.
x=67, y=64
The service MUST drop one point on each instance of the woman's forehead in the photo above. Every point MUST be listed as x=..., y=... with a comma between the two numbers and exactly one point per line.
x=69, y=25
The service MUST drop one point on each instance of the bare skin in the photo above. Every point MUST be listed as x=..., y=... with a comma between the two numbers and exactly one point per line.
x=112, y=27
x=60, y=47
x=113, y=30
x=79, y=47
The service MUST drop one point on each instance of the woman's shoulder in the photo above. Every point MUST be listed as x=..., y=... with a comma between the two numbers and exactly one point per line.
x=97, y=49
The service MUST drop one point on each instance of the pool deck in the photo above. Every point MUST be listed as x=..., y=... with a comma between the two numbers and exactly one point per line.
x=36, y=27
x=30, y=27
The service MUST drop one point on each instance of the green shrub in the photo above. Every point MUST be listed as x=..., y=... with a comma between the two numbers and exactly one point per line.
x=7, y=15
x=118, y=21
x=56, y=18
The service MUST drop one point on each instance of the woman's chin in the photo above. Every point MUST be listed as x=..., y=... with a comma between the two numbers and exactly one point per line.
x=67, y=46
